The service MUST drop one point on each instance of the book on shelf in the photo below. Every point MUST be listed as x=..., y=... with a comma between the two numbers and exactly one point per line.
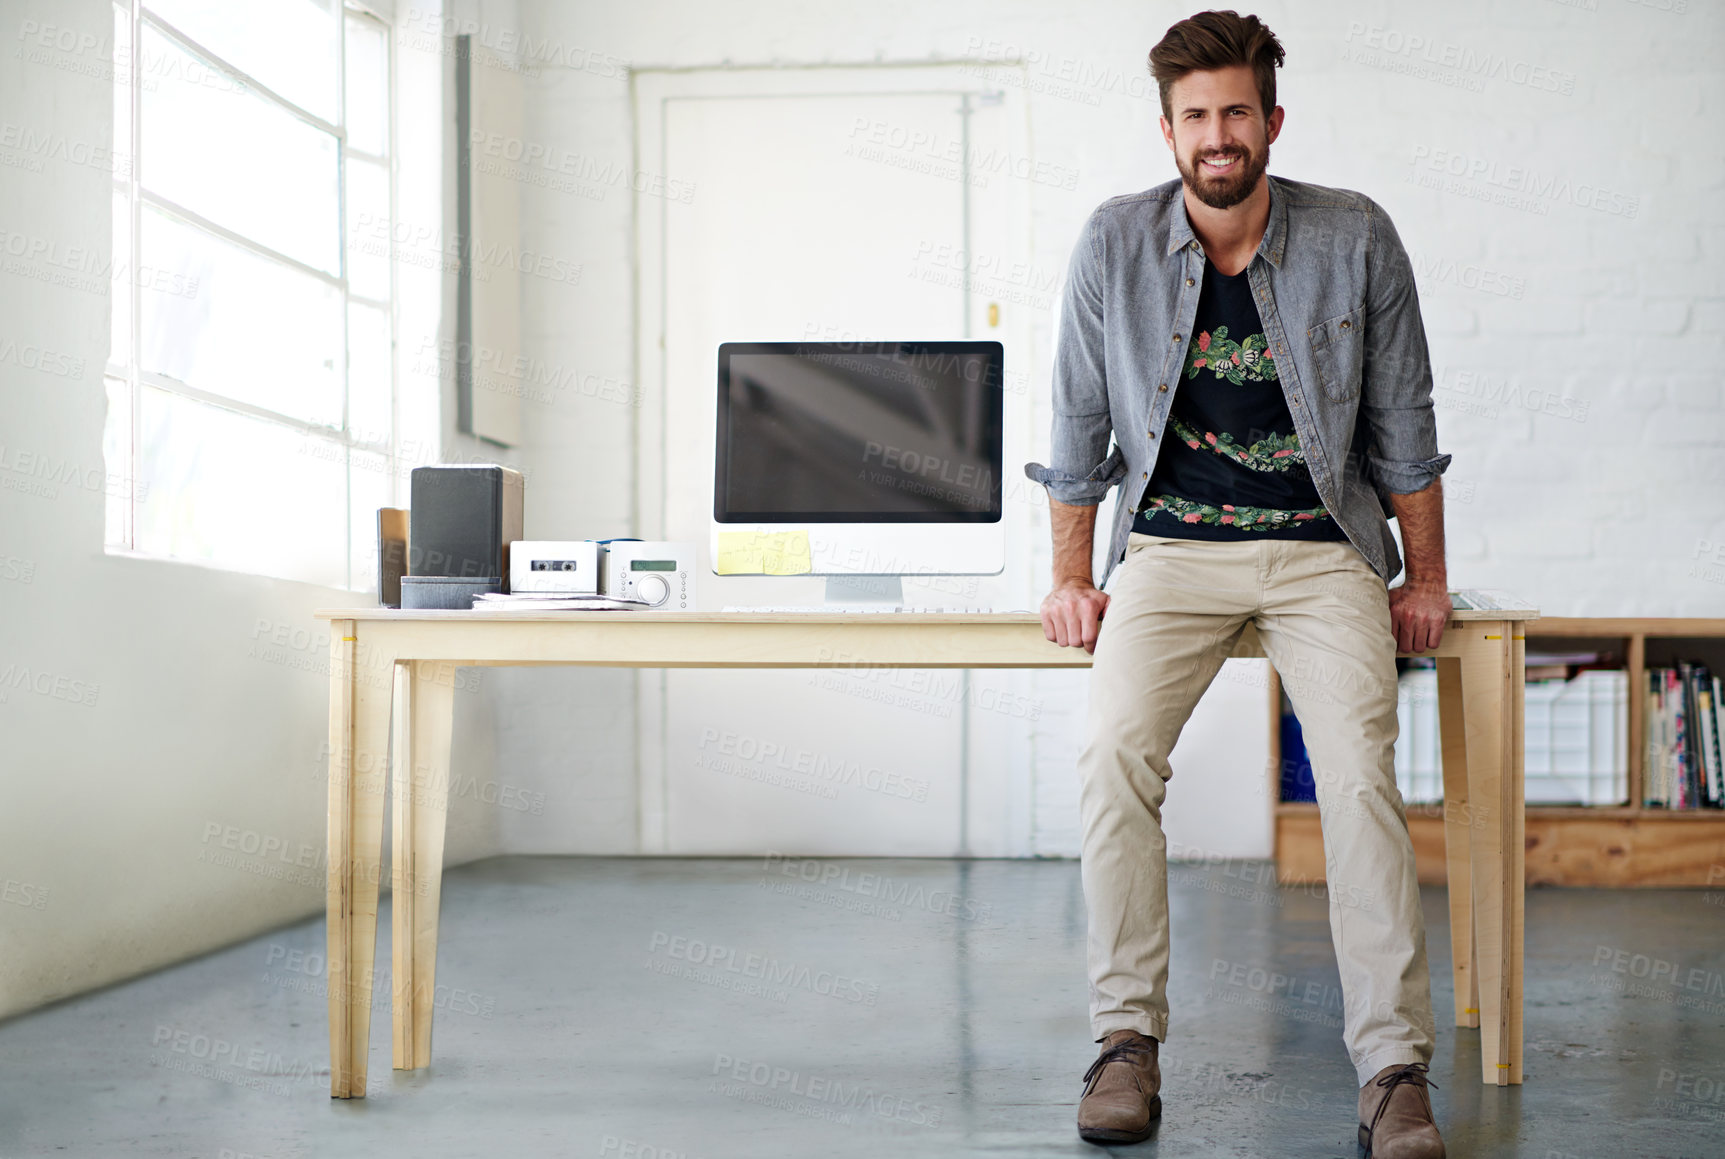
x=1544, y=664
x=1698, y=689
x=1706, y=712
x=1719, y=741
x=1685, y=767
x=1574, y=736
x=1539, y=657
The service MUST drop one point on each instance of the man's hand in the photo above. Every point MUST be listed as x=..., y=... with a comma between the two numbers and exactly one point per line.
x=1072, y=614
x=1418, y=612
x=1421, y=606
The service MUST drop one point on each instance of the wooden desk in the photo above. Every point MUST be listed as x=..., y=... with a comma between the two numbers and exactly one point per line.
x=380, y=656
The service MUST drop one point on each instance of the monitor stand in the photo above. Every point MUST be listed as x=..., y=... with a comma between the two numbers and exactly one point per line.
x=887, y=590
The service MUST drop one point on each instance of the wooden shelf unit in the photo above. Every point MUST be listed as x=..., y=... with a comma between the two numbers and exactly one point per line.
x=1616, y=846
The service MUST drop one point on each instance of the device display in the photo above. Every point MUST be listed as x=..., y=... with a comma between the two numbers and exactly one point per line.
x=659, y=574
x=859, y=432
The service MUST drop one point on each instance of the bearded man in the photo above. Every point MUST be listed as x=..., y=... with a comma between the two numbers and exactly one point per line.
x=1252, y=346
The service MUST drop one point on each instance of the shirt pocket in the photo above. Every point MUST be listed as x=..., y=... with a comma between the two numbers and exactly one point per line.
x=1337, y=346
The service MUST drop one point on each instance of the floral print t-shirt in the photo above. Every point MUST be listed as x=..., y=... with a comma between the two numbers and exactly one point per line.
x=1232, y=467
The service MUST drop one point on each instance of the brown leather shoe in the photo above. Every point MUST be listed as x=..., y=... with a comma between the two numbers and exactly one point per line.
x=1121, y=1100
x=1396, y=1115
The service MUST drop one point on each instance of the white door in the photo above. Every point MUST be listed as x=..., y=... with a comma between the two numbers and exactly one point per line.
x=831, y=209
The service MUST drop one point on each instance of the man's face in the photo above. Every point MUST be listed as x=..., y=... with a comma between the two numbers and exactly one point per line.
x=1220, y=136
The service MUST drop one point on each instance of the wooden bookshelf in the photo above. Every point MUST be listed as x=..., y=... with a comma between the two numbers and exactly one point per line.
x=1618, y=846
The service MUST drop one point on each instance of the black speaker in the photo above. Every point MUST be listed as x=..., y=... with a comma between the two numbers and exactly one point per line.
x=462, y=521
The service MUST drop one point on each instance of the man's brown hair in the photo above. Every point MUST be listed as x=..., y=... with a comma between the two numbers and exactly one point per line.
x=1212, y=40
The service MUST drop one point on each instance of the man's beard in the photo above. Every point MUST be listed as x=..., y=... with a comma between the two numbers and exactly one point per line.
x=1231, y=189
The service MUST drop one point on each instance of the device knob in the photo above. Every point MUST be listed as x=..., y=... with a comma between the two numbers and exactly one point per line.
x=653, y=589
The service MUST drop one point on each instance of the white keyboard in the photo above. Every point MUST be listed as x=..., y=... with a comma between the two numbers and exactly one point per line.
x=852, y=609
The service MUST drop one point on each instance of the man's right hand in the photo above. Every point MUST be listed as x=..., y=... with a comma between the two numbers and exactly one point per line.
x=1072, y=614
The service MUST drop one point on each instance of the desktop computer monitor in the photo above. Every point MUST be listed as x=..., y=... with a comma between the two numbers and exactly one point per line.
x=859, y=459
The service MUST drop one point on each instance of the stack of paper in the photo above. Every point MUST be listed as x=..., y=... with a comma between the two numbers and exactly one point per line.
x=554, y=602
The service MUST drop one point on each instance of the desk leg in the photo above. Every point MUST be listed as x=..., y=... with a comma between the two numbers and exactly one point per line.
x=1491, y=689
x=358, y=759
x=1516, y=792
x=427, y=694
x=1458, y=830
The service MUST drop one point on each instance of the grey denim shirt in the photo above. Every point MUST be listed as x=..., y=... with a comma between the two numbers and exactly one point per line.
x=1335, y=291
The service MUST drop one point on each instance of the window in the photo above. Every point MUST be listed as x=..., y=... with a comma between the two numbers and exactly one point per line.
x=251, y=379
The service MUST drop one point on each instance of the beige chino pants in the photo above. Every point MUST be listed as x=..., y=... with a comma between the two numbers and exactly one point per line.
x=1176, y=609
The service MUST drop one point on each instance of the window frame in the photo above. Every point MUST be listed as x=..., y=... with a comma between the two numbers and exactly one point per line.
x=120, y=535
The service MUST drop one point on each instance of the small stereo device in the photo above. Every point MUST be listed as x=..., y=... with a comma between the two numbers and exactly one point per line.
x=660, y=574
x=562, y=567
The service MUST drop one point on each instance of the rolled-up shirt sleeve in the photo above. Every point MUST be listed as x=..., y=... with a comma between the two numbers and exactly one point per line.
x=1082, y=470
x=1396, y=391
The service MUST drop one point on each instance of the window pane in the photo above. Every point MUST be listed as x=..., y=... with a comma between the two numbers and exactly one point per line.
x=241, y=493
x=367, y=86
x=239, y=160
x=230, y=322
x=369, y=406
x=117, y=462
x=368, y=229
x=120, y=295
x=288, y=45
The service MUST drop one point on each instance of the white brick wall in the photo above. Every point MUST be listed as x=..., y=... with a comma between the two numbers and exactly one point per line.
x=1553, y=167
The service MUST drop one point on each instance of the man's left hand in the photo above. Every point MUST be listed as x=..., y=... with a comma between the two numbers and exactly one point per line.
x=1418, y=613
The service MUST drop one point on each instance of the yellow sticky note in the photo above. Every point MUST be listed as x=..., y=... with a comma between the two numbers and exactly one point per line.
x=764, y=553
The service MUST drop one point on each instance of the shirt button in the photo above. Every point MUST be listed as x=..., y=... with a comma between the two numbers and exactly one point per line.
x=1176, y=338
x=1164, y=386
x=1152, y=434
x=1345, y=323
x=1189, y=281
x=1146, y=474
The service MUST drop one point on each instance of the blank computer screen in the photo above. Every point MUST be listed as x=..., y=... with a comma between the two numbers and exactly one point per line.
x=848, y=432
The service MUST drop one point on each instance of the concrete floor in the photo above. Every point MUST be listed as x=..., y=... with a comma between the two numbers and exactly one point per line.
x=588, y=1010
